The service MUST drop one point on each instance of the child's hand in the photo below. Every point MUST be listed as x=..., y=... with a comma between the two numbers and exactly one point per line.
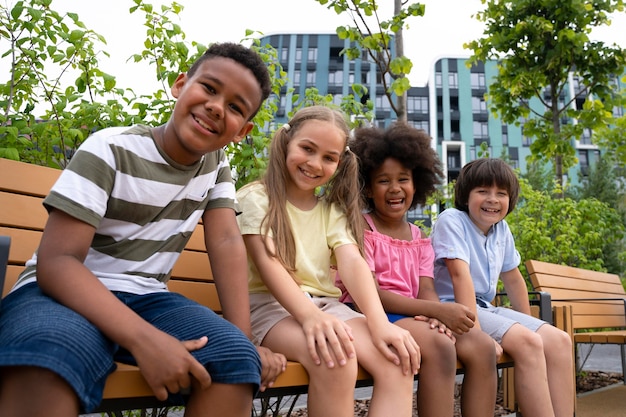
x=328, y=339
x=457, y=317
x=436, y=324
x=406, y=351
x=167, y=365
x=273, y=364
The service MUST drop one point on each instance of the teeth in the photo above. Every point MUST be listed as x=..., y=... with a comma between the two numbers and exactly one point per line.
x=203, y=124
x=306, y=174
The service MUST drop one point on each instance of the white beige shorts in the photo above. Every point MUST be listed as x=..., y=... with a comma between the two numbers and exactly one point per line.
x=265, y=312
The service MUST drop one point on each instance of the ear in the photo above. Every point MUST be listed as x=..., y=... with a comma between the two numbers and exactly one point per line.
x=247, y=128
x=178, y=85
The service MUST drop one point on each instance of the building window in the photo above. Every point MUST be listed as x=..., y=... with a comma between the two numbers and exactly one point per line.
x=420, y=124
x=379, y=78
x=417, y=104
x=296, y=77
x=505, y=136
x=453, y=80
x=335, y=78
x=438, y=80
x=479, y=105
x=284, y=54
x=312, y=55
x=310, y=78
x=481, y=130
x=454, y=159
x=382, y=103
x=298, y=54
x=478, y=80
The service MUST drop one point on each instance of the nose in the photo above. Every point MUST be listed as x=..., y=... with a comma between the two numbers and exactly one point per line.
x=314, y=162
x=215, y=106
x=492, y=196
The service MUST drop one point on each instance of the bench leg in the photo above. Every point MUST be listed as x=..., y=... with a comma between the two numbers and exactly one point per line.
x=623, y=350
x=508, y=389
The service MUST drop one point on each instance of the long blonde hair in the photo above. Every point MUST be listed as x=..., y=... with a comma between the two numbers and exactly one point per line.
x=343, y=188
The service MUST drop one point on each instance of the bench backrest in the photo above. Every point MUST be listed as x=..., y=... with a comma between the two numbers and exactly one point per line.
x=598, y=299
x=22, y=217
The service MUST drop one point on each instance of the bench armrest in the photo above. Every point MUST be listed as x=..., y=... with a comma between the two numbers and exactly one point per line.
x=5, y=243
x=541, y=299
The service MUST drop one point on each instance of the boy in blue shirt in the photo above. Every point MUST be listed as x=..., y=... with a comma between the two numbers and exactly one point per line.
x=474, y=248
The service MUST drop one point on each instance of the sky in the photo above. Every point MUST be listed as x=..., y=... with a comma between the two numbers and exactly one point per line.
x=442, y=31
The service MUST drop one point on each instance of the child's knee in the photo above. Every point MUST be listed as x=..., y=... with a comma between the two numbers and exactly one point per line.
x=442, y=351
x=556, y=339
x=338, y=375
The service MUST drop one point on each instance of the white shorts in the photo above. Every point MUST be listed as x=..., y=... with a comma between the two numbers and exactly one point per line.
x=266, y=311
x=496, y=321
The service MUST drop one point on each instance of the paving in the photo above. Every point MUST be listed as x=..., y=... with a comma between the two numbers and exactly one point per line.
x=605, y=402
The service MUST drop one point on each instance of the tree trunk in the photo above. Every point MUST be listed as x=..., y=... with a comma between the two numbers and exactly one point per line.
x=401, y=104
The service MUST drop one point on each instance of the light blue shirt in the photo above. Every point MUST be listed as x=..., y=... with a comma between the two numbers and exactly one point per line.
x=455, y=236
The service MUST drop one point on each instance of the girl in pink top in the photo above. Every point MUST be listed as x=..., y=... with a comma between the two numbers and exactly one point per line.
x=399, y=169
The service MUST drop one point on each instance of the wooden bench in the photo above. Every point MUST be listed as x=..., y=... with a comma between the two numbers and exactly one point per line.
x=597, y=300
x=22, y=218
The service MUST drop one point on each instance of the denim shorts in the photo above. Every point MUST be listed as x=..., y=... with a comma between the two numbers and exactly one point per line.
x=35, y=330
x=496, y=321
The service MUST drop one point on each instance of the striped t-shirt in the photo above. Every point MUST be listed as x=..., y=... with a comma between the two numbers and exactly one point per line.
x=143, y=205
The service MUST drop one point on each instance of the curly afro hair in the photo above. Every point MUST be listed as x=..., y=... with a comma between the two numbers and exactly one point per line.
x=408, y=145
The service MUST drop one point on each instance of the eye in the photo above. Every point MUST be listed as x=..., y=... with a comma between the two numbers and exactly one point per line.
x=236, y=108
x=209, y=88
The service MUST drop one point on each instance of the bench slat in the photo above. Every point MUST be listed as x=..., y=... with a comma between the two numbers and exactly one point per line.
x=22, y=178
x=22, y=211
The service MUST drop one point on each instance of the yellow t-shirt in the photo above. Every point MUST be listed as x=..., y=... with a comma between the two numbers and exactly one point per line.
x=317, y=233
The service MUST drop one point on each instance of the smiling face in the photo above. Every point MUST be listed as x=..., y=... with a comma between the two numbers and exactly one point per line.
x=313, y=155
x=213, y=108
x=487, y=206
x=391, y=189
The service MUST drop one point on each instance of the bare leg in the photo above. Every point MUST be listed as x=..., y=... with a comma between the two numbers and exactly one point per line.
x=220, y=400
x=435, y=395
x=331, y=390
x=393, y=391
x=560, y=365
x=475, y=350
x=531, y=375
x=32, y=392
